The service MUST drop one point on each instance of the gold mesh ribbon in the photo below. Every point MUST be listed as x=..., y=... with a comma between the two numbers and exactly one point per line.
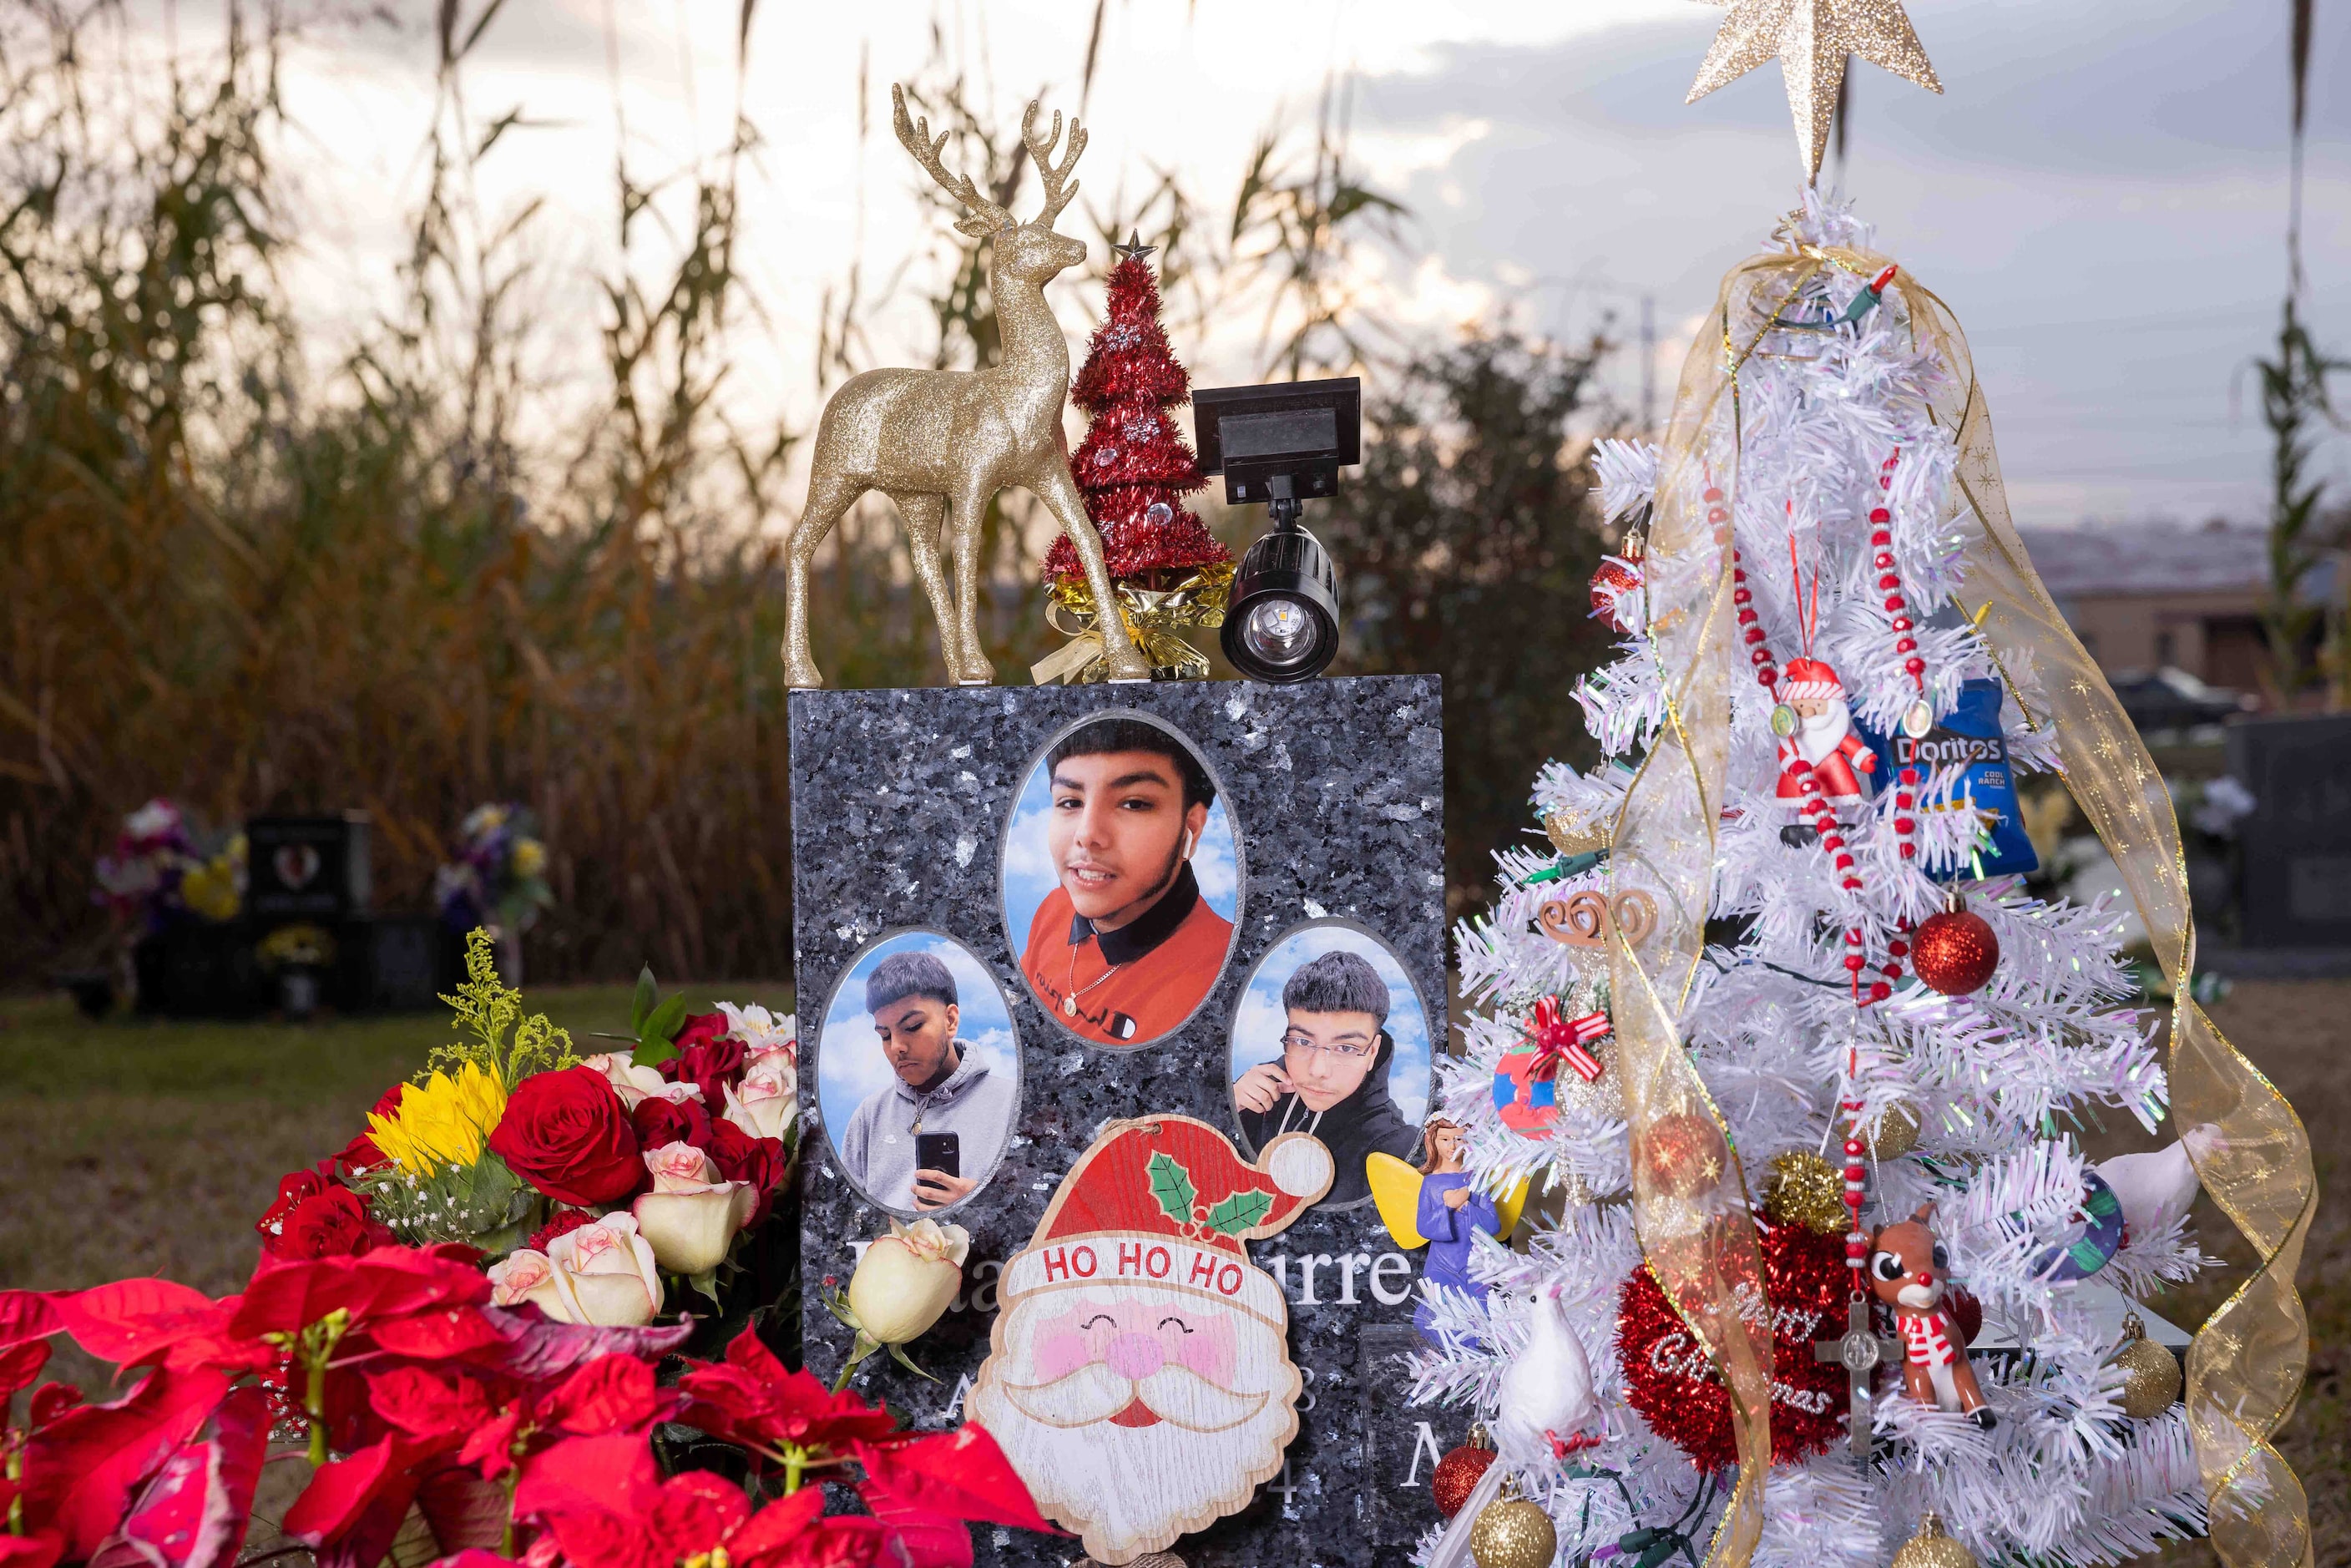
x=1154, y=618
x=2247, y=1362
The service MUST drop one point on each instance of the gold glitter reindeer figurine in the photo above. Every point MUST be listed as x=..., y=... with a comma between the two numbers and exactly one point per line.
x=941, y=444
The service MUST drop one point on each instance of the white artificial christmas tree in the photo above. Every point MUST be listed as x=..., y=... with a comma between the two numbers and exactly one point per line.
x=1842, y=496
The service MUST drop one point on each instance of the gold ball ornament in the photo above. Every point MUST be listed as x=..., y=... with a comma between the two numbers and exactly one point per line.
x=1930, y=1548
x=1894, y=1135
x=1579, y=833
x=1806, y=1190
x=2151, y=1380
x=1513, y=1533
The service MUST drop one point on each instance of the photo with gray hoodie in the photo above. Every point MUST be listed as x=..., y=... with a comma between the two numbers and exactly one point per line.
x=940, y=1083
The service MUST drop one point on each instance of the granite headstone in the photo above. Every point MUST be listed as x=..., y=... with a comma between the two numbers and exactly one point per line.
x=904, y=801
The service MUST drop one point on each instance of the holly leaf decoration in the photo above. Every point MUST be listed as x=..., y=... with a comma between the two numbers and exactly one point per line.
x=1241, y=1211
x=1170, y=1184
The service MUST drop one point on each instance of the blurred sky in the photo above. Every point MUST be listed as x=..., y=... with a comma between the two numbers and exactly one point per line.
x=2100, y=195
x=1259, y=1024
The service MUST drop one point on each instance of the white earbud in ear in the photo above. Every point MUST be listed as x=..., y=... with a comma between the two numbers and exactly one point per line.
x=1190, y=838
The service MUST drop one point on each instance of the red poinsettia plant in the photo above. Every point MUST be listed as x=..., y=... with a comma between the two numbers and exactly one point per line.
x=489, y=1436
x=470, y=1326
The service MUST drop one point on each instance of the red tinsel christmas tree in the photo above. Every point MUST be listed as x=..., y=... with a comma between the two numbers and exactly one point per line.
x=1134, y=466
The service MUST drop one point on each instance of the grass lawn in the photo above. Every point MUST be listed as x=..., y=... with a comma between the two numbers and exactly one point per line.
x=137, y=1147
x=148, y=1148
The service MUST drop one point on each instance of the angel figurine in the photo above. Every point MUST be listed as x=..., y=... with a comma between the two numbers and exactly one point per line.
x=1431, y=1202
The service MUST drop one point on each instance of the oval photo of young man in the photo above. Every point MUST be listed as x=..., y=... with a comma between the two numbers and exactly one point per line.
x=1331, y=1039
x=1121, y=879
x=918, y=1073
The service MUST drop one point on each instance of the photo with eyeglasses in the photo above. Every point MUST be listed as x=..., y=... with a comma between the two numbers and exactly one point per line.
x=1121, y=880
x=1331, y=1039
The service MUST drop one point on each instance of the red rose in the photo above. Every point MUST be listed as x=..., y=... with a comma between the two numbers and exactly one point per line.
x=565, y=1222
x=694, y=1031
x=660, y=1122
x=739, y=1156
x=332, y=1224
x=567, y=1134
x=710, y=1064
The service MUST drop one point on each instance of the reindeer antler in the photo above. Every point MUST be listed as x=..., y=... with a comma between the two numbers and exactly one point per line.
x=915, y=135
x=1058, y=186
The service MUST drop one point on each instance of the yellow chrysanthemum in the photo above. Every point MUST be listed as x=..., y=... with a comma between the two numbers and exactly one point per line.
x=529, y=857
x=441, y=1122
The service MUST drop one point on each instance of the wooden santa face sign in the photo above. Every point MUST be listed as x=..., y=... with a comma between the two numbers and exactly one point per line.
x=1139, y=1375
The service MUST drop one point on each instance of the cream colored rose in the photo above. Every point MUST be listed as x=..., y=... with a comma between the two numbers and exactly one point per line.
x=523, y=1275
x=605, y=1273
x=690, y=1216
x=906, y=1279
x=632, y=1082
x=763, y=1103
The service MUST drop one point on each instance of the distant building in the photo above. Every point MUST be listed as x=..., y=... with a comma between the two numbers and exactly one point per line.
x=2145, y=597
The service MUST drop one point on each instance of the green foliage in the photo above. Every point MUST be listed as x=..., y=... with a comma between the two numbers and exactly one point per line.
x=487, y=1009
x=1238, y=1212
x=653, y=1022
x=484, y=1205
x=1467, y=547
x=1170, y=1184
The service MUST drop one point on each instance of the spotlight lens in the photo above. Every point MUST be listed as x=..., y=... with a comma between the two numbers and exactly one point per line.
x=1279, y=631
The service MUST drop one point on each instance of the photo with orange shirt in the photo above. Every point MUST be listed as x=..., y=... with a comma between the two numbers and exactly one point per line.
x=1121, y=881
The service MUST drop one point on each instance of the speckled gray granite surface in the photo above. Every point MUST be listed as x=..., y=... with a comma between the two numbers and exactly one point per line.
x=900, y=802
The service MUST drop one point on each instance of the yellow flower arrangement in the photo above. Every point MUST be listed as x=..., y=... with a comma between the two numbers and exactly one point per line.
x=529, y=857
x=442, y=1120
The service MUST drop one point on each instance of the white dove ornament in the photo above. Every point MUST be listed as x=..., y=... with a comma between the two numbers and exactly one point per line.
x=2157, y=1189
x=1546, y=1398
x=1546, y=1390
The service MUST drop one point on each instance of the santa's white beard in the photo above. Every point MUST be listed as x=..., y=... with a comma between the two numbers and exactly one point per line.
x=1131, y=1489
x=1821, y=733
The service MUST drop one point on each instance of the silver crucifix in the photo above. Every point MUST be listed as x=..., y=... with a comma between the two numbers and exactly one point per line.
x=1861, y=1350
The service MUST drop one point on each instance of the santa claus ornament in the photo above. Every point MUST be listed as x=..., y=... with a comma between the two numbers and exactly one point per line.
x=1139, y=1377
x=1815, y=724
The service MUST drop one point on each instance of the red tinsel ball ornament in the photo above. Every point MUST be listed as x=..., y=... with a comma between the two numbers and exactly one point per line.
x=1457, y=1474
x=1615, y=577
x=1677, y=1390
x=1683, y=1154
x=1954, y=952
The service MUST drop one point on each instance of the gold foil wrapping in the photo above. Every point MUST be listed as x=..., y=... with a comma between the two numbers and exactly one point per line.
x=1152, y=616
x=2247, y=1362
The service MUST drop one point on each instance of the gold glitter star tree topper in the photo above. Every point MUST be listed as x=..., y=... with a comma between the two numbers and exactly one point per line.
x=1812, y=39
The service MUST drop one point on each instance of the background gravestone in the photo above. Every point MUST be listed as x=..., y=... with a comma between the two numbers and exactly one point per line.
x=2297, y=840
x=901, y=800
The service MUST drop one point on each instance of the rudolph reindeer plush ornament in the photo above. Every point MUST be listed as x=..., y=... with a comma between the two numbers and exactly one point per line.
x=941, y=444
x=1909, y=1271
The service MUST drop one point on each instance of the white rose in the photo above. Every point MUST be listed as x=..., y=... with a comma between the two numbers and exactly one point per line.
x=906, y=1279
x=762, y=1103
x=523, y=1275
x=634, y=1083
x=606, y=1273
x=690, y=1216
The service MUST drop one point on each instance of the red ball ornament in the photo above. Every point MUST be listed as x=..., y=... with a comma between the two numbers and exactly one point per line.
x=1675, y=1387
x=1615, y=577
x=1683, y=1154
x=1954, y=952
x=1457, y=1474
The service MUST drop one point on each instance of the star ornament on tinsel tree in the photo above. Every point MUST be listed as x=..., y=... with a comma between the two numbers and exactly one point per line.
x=1811, y=38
